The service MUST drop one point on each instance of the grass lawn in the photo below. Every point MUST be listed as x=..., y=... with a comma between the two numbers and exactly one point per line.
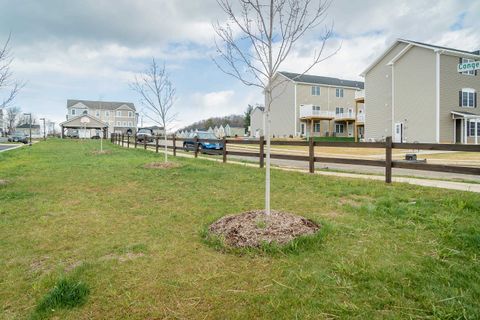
x=131, y=237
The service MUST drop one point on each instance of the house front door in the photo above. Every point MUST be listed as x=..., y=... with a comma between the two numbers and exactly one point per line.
x=398, y=136
x=458, y=130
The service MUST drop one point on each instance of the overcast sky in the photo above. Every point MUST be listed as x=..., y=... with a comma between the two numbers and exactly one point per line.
x=91, y=49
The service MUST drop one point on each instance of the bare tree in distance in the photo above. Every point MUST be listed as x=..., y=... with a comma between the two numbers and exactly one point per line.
x=6, y=82
x=157, y=95
x=13, y=114
x=256, y=41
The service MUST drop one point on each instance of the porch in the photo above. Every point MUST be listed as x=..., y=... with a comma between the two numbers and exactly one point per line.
x=466, y=127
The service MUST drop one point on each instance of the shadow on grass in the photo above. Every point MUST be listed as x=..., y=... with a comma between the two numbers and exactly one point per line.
x=296, y=246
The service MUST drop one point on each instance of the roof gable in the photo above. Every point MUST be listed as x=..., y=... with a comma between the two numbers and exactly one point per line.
x=77, y=122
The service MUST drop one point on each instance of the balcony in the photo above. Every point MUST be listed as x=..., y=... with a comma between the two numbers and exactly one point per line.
x=345, y=116
x=308, y=111
x=360, y=95
x=361, y=118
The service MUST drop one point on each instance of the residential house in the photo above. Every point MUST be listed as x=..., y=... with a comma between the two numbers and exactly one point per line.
x=416, y=92
x=157, y=131
x=309, y=105
x=234, y=131
x=119, y=116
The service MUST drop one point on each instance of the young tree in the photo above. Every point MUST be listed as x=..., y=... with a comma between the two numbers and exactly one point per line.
x=157, y=95
x=7, y=84
x=13, y=114
x=248, y=113
x=256, y=41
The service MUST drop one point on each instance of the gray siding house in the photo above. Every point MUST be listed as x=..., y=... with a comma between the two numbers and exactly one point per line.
x=414, y=93
x=119, y=116
x=308, y=105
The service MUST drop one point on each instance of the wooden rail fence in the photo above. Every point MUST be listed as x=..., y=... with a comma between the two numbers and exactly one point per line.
x=388, y=146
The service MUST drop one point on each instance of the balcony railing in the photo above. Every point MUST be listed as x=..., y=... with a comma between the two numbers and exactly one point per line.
x=345, y=115
x=308, y=111
x=361, y=118
x=359, y=94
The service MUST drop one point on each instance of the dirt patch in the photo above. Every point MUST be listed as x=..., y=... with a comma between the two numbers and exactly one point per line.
x=124, y=257
x=3, y=182
x=98, y=152
x=161, y=165
x=253, y=228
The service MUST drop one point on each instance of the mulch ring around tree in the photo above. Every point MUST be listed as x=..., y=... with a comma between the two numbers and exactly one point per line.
x=161, y=165
x=98, y=152
x=255, y=228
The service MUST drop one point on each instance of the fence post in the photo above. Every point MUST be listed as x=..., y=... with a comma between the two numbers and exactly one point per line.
x=128, y=142
x=311, y=155
x=136, y=140
x=156, y=144
x=123, y=137
x=174, y=139
x=224, y=151
x=111, y=137
x=262, y=151
x=118, y=139
x=388, y=160
x=196, y=146
x=144, y=143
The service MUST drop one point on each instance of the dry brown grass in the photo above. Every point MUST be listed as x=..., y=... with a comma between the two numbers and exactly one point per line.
x=161, y=165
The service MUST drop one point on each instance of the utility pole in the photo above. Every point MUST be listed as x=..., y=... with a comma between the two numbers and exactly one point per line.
x=44, y=129
x=30, y=122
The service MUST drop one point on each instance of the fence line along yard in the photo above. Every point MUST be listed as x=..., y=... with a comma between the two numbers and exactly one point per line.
x=388, y=146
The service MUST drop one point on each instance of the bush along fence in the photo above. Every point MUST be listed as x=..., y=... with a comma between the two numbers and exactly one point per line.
x=388, y=146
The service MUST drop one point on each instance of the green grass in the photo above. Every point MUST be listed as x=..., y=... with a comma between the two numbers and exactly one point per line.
x=134, y=237
x=66, y=294
x=333, y=139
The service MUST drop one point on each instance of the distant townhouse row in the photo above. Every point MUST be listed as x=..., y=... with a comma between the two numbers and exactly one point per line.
x=414, y=92
x=219, y=131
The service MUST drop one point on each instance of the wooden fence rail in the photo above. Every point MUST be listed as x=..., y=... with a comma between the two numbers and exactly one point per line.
x=388, y=146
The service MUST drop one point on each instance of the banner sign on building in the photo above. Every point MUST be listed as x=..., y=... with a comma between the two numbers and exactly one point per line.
x=469, y=66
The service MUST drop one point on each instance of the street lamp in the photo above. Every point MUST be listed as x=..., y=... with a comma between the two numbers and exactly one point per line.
x=30, y=118
x=44, y=130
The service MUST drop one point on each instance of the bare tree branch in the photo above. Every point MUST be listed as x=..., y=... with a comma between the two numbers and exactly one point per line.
x=7, y=84
x=158, y=96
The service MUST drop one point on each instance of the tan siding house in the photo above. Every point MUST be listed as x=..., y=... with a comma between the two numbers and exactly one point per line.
x=414, y=93
x=307, y=105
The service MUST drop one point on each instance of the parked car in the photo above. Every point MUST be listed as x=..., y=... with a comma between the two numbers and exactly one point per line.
x=145, y=134
x=97, y=136
x=73, y=135
x=189, y=143
x=18, y=137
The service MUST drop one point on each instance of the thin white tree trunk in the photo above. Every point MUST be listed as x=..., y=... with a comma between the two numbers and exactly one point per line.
x=267, y=165
x=166, y=148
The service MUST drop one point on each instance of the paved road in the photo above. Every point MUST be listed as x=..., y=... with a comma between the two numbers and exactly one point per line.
x=5, y=147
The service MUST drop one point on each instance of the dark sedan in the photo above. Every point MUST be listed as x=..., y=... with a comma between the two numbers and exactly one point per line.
x=18, y=137
x=189, y=143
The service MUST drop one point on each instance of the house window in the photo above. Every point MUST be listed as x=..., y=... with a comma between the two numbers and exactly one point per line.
x=97, y=114
x=339, y=128
x=316, y=108
x=85, y=112
x=315, y=90
x=107, y=113
x=471, y=128
x=130, y=123
x=73, y=112
x=119, y=123
x=468, y=98
x=339, y=93
x=130, y=114
x=465, y=60
x=316, y=126
x=119, y=113
x=124, y=123
x=338, y=110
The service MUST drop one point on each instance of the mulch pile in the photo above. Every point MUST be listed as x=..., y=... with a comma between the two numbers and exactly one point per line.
x=251, y=229
x=98, y=152
x=161, y=165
